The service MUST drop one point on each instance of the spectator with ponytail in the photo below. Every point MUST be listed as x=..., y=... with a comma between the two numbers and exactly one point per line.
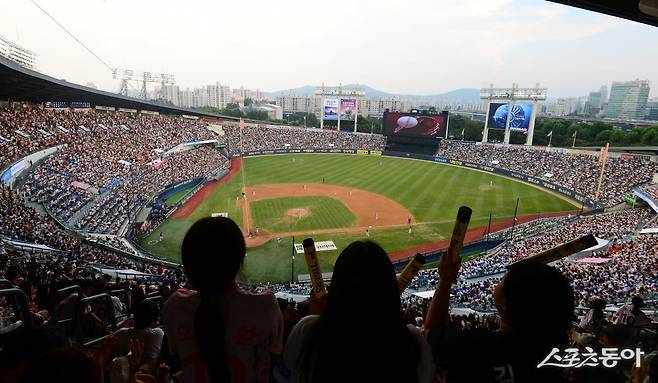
x=361, y=335
x=220, y=332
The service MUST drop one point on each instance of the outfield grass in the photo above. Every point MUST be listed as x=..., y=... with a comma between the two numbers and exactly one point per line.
x=322, y=213
x=179, y=195
x=431, y=192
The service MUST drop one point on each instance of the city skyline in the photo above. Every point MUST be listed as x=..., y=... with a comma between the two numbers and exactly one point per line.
x=272, y=47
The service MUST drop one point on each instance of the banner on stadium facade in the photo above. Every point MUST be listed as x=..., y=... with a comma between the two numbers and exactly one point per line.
x=330, y=109
x=80, y=105
x=319, y=246
x=347, y=109
x=55, y=105
x=13, y=170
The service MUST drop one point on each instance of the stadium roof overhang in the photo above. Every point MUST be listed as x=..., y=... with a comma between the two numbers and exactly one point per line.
x=626, y=9
x=22, y=84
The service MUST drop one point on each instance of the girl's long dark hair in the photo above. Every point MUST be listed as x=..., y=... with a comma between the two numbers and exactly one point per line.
x=361, y=335
x=212, y=253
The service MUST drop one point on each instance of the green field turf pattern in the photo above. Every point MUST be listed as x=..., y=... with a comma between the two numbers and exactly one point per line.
x=322, y=213
x=179, y=195
x=431, y=192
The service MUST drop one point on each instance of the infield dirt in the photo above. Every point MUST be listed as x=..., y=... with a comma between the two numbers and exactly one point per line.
x=370, y=209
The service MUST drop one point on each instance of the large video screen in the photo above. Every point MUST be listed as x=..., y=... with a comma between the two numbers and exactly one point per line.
x=519, y=118
x=414, y=125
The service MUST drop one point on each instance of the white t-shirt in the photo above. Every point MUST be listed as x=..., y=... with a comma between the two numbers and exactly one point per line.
x=287, y=371
x=152, y=338
x=626, y=317
x=254, y=330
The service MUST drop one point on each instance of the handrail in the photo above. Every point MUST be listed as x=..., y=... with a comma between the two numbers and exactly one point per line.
x=19, y=302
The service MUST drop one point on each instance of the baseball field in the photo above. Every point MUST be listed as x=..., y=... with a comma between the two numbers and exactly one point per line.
x=404, y=205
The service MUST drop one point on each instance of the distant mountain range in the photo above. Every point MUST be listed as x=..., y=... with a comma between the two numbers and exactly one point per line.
x=457, y=95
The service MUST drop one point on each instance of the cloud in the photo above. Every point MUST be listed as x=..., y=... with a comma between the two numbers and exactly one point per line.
x=416, y=46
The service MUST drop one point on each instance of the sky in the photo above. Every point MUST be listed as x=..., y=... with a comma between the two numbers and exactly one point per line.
x=408, y=47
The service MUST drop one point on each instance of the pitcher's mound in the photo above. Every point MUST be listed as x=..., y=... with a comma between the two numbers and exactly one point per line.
x=297, y=213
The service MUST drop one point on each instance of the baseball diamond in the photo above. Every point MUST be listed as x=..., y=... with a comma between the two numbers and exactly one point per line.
x=362, y=196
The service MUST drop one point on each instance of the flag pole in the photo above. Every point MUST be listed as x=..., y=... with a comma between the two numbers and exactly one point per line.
x=603, y=159
x=573, y=145
x=292, y=263
x=486, y=244
x=516, y=209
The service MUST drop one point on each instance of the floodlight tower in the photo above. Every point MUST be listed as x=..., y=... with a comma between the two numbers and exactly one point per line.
x=126, y=75
x=510, y=95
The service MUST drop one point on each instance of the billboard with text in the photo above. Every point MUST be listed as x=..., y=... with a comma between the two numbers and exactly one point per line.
x=347, y=109
x=330, y=109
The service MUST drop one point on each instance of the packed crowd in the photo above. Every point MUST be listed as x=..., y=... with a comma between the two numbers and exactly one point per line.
x=632, y=266
x=215, y=331
x=22, y=223
x=576, y=172
x=112, y=180
x=531, y=228
x=610, y=226
x=111, y=163
x=271, y=137
x=112, y=136
x=632, y=269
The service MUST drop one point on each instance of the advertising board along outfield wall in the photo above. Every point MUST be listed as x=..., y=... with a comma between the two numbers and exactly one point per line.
x=319, y=246
x=572, y=194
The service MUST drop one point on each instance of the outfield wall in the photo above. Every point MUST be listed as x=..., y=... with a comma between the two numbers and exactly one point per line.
x=572, y=194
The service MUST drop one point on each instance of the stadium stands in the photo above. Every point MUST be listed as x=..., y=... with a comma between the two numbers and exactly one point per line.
x=574, y=171
x=272, y=137
x=84, y=186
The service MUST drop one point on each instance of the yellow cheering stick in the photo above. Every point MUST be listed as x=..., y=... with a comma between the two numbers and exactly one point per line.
x=561, y=251
x=317, y=282
x=438, y=313
x=452, y=257
x=458, y=233
x=410, y=270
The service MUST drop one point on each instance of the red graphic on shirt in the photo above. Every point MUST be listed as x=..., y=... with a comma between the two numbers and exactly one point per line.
x=184, y=332
x=246, y=336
